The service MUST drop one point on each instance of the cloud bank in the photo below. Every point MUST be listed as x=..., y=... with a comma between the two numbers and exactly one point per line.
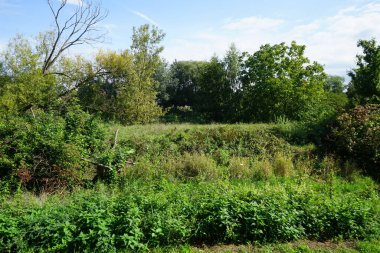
x=330, y=41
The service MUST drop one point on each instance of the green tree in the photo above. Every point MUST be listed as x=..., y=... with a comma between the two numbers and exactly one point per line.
x=106, y=86
x=163, y=78
x=23, y=85
x=214, y=95
x=279, y=81
x=232, y=63
x=141, y=96
x=365, y=78
x=31, y=75
x=121, y=86
x=184, y=83
x=335, y=84
x=233, y=66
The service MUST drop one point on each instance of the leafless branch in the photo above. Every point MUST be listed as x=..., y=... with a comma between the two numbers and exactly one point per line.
x=80, y=27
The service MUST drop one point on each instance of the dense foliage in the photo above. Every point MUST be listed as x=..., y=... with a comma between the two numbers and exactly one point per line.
x=365, y=84
x=123, y=88
x=283, y=74
x=47, y=152
x=356, y=137
x=137, y=216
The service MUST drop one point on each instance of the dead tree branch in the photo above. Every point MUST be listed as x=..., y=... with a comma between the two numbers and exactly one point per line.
x=80, y=27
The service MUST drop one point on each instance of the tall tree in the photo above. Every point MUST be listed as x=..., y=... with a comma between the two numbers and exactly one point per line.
x=164, y=79
x=215, y=92
x=232, y=63
x=105, y=94
x=365, y=78
x=279, y=81
x=142, y=95
x=123, y=87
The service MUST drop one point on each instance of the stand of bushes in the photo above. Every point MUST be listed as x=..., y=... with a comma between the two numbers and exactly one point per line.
x=49, y=152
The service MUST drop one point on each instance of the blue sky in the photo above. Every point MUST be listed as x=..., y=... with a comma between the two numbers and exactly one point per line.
x=197, y=29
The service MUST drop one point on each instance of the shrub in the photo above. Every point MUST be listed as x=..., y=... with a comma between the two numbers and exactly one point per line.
x=239, y=168
x=196, y=166
x=262, y=169
x=139, y=215
x=282, y=165
x=356, y=137
x=46, y=151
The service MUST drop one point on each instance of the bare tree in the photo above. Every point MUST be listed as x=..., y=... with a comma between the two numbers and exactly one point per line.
x=79, y=27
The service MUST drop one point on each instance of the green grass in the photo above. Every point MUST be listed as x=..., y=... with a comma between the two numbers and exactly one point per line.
x=160, y=129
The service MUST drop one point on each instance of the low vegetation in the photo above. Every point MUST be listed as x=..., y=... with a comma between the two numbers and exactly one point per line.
x=197, y=185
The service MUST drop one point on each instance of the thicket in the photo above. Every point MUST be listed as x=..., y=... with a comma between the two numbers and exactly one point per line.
x=49, y=152
x=137, y=216
x=356, y=137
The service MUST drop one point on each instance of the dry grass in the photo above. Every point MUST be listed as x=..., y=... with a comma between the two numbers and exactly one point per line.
x=283, y=165
x=240, y=168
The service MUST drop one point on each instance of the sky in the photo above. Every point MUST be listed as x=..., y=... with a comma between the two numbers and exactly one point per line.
x=199, y=29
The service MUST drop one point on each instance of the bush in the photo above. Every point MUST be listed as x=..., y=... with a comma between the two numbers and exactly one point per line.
x=263, y=169
x=196, y=166
x=356, y=137
x=283, y=165
x=46, y=151
x=239, y=168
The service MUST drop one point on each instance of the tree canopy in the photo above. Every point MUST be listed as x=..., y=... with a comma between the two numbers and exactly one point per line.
x=278, y=80
x=365, y=78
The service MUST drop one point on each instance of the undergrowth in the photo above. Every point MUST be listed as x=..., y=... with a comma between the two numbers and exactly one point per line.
x=203, y=185
x=137, y=216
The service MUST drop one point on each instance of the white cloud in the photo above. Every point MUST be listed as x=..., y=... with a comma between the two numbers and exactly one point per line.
x=145, y=17
x=330, y=41
x=333, y=43
x=301, y=30
x=253, y=23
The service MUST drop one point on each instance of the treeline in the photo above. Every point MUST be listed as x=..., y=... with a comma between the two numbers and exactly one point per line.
x=136, y=86
x=276, y=82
